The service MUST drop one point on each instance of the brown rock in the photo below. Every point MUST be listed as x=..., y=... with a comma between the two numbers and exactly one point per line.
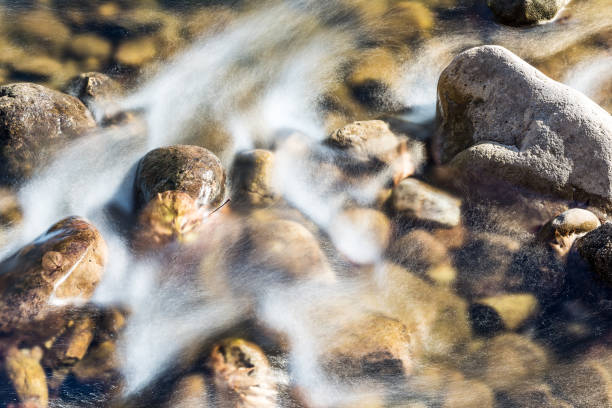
x=251, y=179
x=509, y=311
x=71, y=345
x=35, y=121
x=98, y=92
x=419, y=251
x=85, y=46
x=539, y=395
x=27, y=376
x=63, y=265
x=40, y=28
x=101, y=363
x=468, y=394
x=134, y=53
x=242, y=375
x=419, y=201
x=10, y=209
x=596, y=248
x=183, y=168
x=189, y=392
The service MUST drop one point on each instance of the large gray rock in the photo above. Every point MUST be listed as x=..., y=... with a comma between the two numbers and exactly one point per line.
x=524, y=12
x=35, y=121
x=501, y=119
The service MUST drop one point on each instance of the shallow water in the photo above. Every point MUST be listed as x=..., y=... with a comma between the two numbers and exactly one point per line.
x=281, y=75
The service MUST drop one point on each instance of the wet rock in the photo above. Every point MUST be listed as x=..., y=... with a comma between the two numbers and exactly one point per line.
x=189, y=392
x=524, y=12
x=97, y=91
x=510, y=360
x=41, y=28
x=36, y=67
x=585, y=382
x=561, y=232
x=372, y=144
x=374, y=346
x=419, y=251
x=10, y=209
x=408, y=21
x=135, y=53
x=85, y=46
x=596, y=248
x=60, y=267
x=286, y=251
x=252, y=179
x=27, y=376
x=468, y=394
x=171, y=216
x=69, y=347
x=34, y=121
x=242, y=375
x=503, y=312
x=528, y=396
x=361, y=234
x=183, y=168
x=100, y=364
x=502, y=121
x=419, y=201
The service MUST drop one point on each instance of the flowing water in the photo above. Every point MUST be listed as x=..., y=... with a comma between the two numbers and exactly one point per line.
x=263, y=77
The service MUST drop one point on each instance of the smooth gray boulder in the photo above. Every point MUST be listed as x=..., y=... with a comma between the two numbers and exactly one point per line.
x=501, y=119
x=525, y=12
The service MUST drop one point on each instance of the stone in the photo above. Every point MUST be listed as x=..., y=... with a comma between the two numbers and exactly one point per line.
x=61, y=267
x=562, y=231
x=525, y=12
x=189, y=392
x=502, y=121
x=284, y=250
x=34, y=122
x=242, y=375
x=361, y=234
x=368, y=145
x=540, y=395
x=137, y=52
x=468, y=394
x=502, y=312
x=421, y=202
x=251, y=179
x=172, y=216
x=100, y=364
x=36, y=67
x=192, y=170
x=596, y=248
x=41, y=28
x=27, y=376
x=510, y=360
x=98, y=92
x=419, y=251
x=10, y=210
x=373, y=346
x=69, y=347
x=89, y=45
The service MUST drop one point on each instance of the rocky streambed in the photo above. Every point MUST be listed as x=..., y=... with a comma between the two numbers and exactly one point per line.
x=298, y=204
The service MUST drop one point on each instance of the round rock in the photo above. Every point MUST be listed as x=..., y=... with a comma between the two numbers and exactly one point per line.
x=525, y=12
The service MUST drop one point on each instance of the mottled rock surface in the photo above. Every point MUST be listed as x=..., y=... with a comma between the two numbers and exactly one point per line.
x=34, y=121
x=524, y=12
x=501, y=119
x=61, y=266
x=596, y=248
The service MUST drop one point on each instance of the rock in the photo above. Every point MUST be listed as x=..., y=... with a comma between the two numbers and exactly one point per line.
x=242, y=375
x=501, y=120
x=135, y=53
x=419, y=201
x=561, y=232
x=183, y=168
x=172, y=216
x=374, y=346
x=41, y=28
x=189, y=392
x=60, y=267
x=539, y=395
x=524, y=12
x=468, y=394
x=27, y=376
x=510, y=360
x=70, y=346
x=495, y=313
x=419, y=251
x=101, y=364
x=284, y=250
x=10, y=209
x=371, y=144
x=36, y=67
x=98, y=92
x=585, y=382
x=35, y=121
x=252, y=179
x=88, y=45
x=596, y=248
x=361, y=234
